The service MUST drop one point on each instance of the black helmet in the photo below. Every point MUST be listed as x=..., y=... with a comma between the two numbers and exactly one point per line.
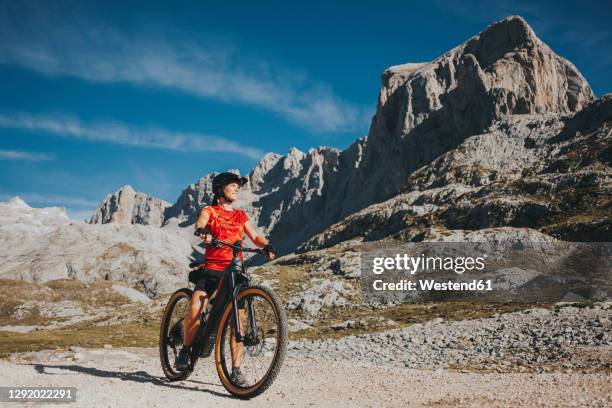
x=223, y=179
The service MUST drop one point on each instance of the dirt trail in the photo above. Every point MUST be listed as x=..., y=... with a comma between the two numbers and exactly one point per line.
x=129, y=377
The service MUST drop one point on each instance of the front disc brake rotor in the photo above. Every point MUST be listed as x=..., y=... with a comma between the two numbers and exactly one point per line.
x=254, y=343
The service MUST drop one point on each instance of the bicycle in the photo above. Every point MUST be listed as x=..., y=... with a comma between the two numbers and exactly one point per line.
x=264, y=338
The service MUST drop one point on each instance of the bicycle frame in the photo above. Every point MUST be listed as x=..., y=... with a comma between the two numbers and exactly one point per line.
x=233, y=280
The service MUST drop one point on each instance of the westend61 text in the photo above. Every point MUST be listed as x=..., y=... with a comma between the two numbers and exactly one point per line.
x=430, y=284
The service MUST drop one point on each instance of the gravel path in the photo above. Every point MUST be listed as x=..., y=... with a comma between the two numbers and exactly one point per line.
x=535, y=358
x=132, y=377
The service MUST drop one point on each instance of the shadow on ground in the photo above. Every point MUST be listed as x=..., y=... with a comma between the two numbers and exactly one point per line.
x=136, y=376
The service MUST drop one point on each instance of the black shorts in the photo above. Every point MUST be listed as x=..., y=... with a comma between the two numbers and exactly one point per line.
x=205, y=280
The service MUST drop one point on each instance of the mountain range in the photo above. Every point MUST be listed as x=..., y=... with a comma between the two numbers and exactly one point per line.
x=486, y=135
x=499, y=137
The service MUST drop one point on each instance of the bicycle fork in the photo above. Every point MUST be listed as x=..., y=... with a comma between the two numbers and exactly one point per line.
x=251, y=314
x=237, y=333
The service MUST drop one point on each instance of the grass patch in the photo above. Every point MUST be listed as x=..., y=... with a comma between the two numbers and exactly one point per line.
x=7, y=308
x=118, y=250
x=403, y=315
x=288, y=278
x=66, y=284
x=89, y=297
x=14, y=283
x=125, y=335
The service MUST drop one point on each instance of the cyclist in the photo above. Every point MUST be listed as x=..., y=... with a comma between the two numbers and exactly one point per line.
x=227, y=224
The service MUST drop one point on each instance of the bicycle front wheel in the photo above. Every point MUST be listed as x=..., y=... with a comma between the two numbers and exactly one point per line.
x=261, y=353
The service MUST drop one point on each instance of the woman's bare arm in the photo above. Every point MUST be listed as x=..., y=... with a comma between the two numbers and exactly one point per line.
x=202, y=221
x=255, y=237
x=252, y=233
x=203, y=217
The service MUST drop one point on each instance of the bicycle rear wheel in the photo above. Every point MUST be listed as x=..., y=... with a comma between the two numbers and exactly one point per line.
x=171, y=334
x=264, y=346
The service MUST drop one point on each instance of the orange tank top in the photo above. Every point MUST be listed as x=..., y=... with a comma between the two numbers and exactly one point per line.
x=227, y=226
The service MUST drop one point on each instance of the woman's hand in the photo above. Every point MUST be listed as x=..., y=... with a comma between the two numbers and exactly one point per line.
x=269, y=252
x=204, y=234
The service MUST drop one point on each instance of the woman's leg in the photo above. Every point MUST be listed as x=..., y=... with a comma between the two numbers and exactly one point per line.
x=191, y=323
x=236, y=348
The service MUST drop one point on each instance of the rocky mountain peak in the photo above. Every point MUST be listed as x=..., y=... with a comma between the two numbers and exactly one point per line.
x=292, y=161
x=16, y=202
x=191, y=199
x=503, y=70
x=127, y=206
x=510, y=34
x=257, y=176
x=16, y=211
x=427, y=109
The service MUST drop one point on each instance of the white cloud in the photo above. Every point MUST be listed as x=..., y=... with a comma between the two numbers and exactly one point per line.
x=124, y=134
x=21, y=155
x=66, y=42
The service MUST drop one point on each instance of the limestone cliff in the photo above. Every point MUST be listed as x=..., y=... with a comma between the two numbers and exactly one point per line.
x=126, y=206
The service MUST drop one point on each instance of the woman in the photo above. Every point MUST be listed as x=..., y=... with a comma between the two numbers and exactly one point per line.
x=227, y=224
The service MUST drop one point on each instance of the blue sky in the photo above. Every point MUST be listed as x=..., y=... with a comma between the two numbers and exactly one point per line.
x=158, y=94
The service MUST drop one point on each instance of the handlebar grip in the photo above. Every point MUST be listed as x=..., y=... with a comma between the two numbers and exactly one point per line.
x=200, y=231
x=218, y=243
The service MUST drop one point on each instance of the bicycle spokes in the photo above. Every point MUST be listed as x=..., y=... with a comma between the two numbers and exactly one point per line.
x=175, y=336
x=176, y=332
x=172, y=334
x=256, y=353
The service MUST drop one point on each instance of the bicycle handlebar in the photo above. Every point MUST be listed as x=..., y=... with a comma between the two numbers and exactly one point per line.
x=240, y=248
x=237, y=248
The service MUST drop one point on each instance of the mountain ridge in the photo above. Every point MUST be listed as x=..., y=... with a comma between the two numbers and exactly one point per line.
x=424, y=111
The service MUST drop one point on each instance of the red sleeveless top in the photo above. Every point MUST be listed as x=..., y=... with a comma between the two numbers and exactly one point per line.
x=227, y=226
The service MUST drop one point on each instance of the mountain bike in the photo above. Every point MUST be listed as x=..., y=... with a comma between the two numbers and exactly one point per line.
x=263, y=337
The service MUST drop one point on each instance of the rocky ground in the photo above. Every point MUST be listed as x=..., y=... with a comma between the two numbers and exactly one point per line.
x=566, y=338
x=62, y=313
x=558, y=357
